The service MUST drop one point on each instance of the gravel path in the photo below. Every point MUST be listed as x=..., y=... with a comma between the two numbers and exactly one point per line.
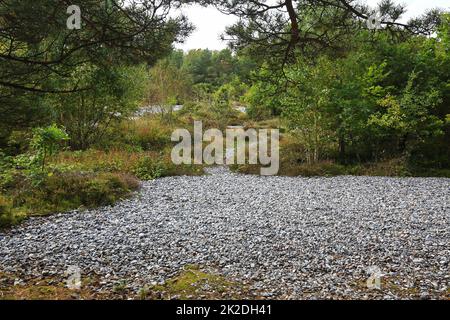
x=285, y=237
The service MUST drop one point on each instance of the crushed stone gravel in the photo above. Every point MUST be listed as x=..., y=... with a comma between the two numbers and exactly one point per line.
x=285, y=237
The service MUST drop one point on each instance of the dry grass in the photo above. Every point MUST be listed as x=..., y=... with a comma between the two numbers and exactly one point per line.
x=51, y=289
x=114, y=160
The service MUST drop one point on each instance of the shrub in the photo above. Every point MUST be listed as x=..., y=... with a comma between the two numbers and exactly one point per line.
x=258, y=112
x=6, y=172
x=9, y=179
x=66, y=191
x=149, y=133
x=106, y=189
x=114, y=94
x=190, y=108
x=149, y=168
x=19, y=141
x=114, y=161
x=46, y=142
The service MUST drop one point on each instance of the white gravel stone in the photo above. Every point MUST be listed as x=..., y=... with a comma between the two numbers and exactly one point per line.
x=292, y=237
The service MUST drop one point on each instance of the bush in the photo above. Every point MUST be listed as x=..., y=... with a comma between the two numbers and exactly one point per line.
x=149, y=169
x=114, y=94
x=19, y=141
x=106, y=189
x=6, y=173
x=46, y=142
x=258, y=112
x=190, y=108
x=66, y=191
x=148, y=133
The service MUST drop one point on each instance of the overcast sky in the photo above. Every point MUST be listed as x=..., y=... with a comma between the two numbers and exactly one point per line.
x=210, y=23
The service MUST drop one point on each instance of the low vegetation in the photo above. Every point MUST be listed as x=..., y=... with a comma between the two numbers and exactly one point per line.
x=293, y=164
x=194, y=283
x=73, y=136
x=49, y=177
x=62, y=191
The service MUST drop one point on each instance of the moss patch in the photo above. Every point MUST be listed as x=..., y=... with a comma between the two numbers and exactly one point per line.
x=194, y=283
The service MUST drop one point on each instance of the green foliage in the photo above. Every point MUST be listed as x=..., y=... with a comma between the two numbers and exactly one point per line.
x=31, y=166
x=169, y=85
x=444, y=33
x=263, y=97
x=149, y=169
x=306, y=107
x=46, y=142
x=213, y=67
x=411, y=115
x=148, y=133
x=221, y=105
x=379, y=100
x=197, y=75
x=61, y=192
x=18, y=141
x=20, y=113
x=45, y=65
x=116, y=92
